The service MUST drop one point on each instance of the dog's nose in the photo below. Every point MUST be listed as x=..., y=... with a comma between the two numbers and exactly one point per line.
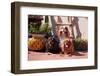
x=61, y=31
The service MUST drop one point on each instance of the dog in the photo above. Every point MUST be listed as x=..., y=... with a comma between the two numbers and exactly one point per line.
x=52, y=45
x=66, y=43
x=67, y=47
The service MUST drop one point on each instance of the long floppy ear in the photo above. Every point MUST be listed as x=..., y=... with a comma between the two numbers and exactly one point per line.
x=59, y=33
x=64, y=42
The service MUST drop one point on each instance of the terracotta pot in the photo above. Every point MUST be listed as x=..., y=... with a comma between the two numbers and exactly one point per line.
x=37, y=42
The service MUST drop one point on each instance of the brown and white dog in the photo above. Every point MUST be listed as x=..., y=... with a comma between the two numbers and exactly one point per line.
x=66, y=42
x=67, y=47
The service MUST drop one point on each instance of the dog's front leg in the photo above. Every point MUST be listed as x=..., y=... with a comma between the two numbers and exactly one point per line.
x=62, y=50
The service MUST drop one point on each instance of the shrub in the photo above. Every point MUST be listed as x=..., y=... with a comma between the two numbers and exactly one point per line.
x=80, y=44
x=44, y=27
x=33, y=27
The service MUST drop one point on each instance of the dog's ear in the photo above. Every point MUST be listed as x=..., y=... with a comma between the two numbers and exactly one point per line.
x=64, y=42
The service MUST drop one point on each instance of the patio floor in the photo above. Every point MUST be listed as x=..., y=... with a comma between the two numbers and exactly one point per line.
x=32, y=55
